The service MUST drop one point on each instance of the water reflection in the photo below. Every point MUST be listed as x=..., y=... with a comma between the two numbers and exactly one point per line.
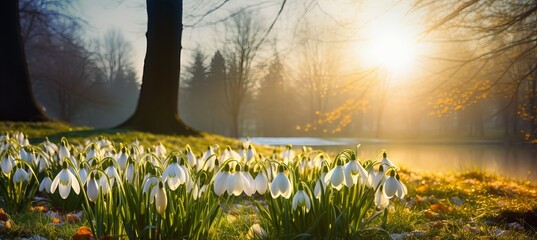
x=514, y=161
x=519, y=162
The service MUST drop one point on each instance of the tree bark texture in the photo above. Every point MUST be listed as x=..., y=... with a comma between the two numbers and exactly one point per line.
x=157, y=109
x=17, y=102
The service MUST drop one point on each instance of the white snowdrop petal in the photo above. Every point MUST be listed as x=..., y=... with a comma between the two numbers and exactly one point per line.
x=74, y=183
x=64, y=190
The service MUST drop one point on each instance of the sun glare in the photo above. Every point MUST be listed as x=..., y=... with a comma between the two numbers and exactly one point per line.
x=393, y=51
x=390, y=43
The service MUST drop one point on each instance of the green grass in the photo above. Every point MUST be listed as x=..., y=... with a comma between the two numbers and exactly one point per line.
x=35, y=223
x=236, y=221
x=454, y=205
x=55, y=131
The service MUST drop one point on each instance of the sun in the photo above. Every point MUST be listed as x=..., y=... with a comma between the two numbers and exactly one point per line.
x=390, y=42
x=393, y=51
x=391, y=48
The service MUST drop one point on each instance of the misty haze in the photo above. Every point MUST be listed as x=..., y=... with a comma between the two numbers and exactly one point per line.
x=440, y=95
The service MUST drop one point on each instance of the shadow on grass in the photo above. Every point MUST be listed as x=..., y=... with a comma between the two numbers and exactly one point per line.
x=528, y=219
x=78, y=134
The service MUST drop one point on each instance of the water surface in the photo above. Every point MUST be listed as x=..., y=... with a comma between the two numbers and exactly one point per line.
x=517, y=161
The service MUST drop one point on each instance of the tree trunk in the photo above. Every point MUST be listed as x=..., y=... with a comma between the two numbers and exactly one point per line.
x=157, y=109
x=17, y=102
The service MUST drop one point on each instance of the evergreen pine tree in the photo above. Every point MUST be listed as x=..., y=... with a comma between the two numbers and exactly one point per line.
x=219, y=119
x=273, y=101
x=197, y=112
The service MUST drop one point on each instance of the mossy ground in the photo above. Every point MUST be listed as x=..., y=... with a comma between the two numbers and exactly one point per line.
x=454, y=205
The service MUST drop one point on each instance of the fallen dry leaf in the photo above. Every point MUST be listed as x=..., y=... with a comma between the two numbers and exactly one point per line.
x=55, y=220
x=439, y=208
x=431, y=215
x=8, y=225
x=40, y=208
x=422, y=188
x=83, y=233
x=3, y=215
x=72, y=218
x=420, y=199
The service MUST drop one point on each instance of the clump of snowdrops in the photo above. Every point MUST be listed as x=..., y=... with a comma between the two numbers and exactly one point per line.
x=127, y=189
x=310, y=195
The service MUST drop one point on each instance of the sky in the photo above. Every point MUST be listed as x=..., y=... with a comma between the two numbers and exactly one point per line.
x=128, y=16
x=374, y=22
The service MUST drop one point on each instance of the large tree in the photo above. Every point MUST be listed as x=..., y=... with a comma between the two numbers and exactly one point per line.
x=216, y=77
x=243, y=45
x=157, y=109
x=196, y=91
x=16, y=100
x=274, y=100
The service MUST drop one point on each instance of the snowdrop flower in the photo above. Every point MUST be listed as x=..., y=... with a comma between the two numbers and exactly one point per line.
x=20, y=176
x=391, y=185
x=336, y=176
x=248, y=181
x=320, y=185
x=74, y=161
x=234, y=183
x=104, y=182
x=385, y=162
x=93, y=153
x=281, y=185
x=174, y=175
x=45, y=185
x=376, y=179
x=92, y=188
x=129, y=172
x=220, y=181
x=381, y=200
x=197, y=191
x=155, y=161
x=83, y=170
x=353, y=169
x=230, y=154
x=302, y=166
x=7, y=164
x=50, y=148
x=301, y=199
x=318, y=161
x=21, y=139
x=160, y=150
x=250, y=154
x=149, y=183
x=42, y=163
x=287, y=155
x=104, y=144
x=122, y=159
x=190, y=156
x=158, y=194
x=64, y=152
x=261, y=183
x=64, y=181
x=208, y=159
x=112, y=174
x=27, y=156
x=402, y=191
x=237, y=182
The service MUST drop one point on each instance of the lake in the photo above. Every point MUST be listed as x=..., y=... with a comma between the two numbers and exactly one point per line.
x=518, y=161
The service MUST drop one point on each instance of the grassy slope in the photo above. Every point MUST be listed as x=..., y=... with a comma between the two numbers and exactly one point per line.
x=55, y=131
x=449, y=205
